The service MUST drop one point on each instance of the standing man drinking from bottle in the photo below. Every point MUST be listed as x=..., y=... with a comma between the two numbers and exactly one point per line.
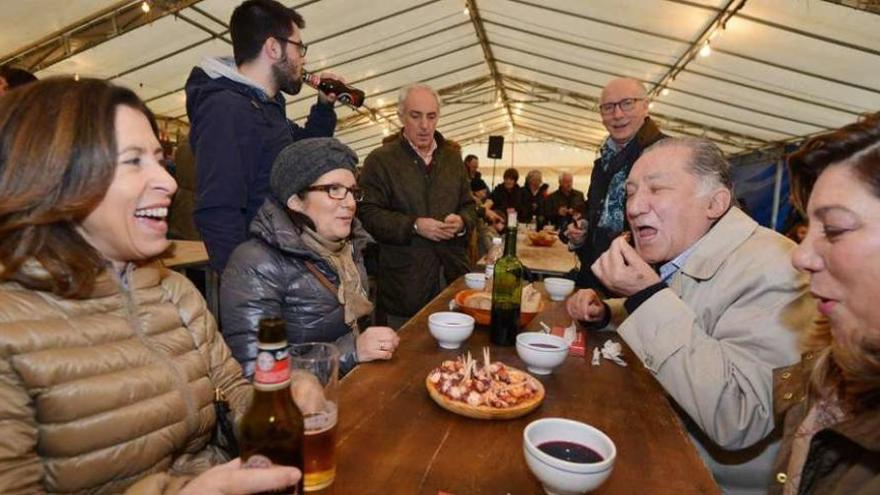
x=239, y=122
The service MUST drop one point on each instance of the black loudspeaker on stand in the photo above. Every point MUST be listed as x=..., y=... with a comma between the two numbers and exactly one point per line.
x=496, y=149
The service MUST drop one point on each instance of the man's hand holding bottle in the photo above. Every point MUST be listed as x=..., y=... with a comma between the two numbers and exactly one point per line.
x=329, y=98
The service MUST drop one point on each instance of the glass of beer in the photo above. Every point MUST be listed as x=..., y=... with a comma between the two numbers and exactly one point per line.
x=315, y=379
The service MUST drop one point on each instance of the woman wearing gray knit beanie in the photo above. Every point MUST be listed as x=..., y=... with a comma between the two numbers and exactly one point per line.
x=304, y=261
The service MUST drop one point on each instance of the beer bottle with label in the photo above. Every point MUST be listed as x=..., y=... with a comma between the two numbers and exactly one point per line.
x=507, y=289
x=271, y=431
x=344, y=93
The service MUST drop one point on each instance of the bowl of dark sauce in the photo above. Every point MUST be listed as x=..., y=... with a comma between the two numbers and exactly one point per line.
x=541, y=352
x=568, y=457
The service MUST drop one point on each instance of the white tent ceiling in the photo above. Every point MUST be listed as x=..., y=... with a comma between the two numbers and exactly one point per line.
x=779, y=69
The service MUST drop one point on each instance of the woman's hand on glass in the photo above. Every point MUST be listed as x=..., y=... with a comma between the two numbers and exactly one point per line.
x=307, y=392
x=376, y=343
x=232, y=479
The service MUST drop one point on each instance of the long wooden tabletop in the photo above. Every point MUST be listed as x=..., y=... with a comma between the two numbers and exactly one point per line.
x=548, y=260
x=184, y=254
x=555, y=259
x=393, y=439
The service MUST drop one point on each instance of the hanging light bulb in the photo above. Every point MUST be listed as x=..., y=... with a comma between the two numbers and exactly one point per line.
x=706, y=50
x=385, y=131
x=466, y=11
x=664, y=92
x=650, y=105
x=76, y=77
x=145, y=6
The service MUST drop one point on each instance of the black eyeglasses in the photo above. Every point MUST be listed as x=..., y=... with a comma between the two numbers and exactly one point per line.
x=626, y=105
x=302, y=47
x=338, y=191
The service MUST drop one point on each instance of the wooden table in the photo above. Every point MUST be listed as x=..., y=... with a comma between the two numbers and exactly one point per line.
x=550, y=261
x=192, y=255
x=393, y=439
x=185, y=254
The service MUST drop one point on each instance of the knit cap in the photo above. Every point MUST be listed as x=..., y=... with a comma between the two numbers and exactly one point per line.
x=300, y=164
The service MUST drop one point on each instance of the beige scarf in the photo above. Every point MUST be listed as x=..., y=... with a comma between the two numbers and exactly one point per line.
x=340, y=254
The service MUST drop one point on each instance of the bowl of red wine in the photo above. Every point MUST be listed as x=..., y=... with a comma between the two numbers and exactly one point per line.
x=568, y=457
x=541, y=351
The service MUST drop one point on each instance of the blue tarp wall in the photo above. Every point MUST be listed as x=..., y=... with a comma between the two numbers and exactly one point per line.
x=760, y=181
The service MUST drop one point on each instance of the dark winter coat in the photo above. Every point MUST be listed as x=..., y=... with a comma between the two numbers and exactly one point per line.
x=267, y=277
x=843, y=459
x=399, y=189
x=236, y=133
x=534, y=206
x=503, y=199
x=574, y=199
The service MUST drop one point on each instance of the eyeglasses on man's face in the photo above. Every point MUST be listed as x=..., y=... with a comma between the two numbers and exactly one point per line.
x=302, y=47
x=626, y=105
x=338, y=191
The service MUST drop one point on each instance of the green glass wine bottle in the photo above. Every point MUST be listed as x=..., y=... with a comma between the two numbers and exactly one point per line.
x=507, y=289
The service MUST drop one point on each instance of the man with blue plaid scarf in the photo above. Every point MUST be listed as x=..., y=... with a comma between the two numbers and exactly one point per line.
x=623, y=106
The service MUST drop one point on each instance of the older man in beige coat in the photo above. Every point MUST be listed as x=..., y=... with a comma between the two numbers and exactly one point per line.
x=718, y=313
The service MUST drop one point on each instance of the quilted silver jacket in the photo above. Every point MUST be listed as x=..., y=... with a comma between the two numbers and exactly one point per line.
x=267, y=277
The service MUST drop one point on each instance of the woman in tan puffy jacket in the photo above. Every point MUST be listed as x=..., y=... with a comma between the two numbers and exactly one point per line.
x=108, y=365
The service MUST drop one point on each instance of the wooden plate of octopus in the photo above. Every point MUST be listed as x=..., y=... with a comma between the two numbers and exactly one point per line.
x=484, y=391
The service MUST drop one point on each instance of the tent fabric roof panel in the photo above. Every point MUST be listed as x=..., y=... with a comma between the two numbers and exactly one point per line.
x=28, y=21
x=778, y=70
x=798, y=51
x=788, y=82
x=817, y=17
x=672, y=20
x=152, y=42
x=743, y=127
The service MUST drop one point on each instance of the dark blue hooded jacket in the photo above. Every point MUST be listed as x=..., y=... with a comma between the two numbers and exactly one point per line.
x=236, y=132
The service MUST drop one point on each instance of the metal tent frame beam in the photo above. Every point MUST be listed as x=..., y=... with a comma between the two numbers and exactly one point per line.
x=639, y=59
x=593, y=101
x=719, y=21
x=486, y=45
x=586, y=102
x=717, y=50
x=92, y=31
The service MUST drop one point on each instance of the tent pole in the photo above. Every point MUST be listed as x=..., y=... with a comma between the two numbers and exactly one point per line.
x=777, y=192
x=512, y=143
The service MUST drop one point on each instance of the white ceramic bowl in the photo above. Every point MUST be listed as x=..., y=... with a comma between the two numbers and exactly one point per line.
x=450, y=328
x=475, y=280
x=558, y=288
x=541, y=351
x=561, y=477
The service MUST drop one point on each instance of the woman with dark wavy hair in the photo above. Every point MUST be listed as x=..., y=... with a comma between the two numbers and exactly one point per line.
x=108, y=365
x=829, y=403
